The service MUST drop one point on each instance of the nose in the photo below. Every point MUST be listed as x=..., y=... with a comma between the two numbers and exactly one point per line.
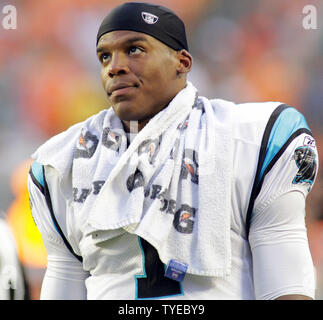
x=118, y=65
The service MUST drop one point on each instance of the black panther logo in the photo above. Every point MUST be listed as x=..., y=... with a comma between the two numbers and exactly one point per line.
x=305, y=159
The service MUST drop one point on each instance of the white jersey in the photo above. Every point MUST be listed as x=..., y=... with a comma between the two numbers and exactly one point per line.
x=275, y=163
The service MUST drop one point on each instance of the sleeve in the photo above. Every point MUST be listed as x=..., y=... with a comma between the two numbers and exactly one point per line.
x=64, y=278
x=294, y=170
x=282, y=262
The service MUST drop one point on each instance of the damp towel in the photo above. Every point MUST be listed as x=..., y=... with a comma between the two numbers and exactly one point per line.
x=170, y=186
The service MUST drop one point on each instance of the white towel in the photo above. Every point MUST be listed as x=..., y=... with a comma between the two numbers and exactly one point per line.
x=171, y=186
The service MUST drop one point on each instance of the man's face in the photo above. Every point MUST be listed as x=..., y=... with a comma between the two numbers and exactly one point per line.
x=139, y=74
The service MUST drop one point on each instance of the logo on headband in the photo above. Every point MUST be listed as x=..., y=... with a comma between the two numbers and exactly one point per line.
x=149, y=18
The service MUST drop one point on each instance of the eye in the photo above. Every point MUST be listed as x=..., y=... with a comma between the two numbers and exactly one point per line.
x=104, y=57
x=134, y=50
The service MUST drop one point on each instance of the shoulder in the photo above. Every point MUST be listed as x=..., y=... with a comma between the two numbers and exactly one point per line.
x=49, y=206
x=72, y=132
x=254, y=111
x=272, y=126
x=270, y=123
x=58, y=151
x=285, y=131
x=248, y=120
x=269, y=114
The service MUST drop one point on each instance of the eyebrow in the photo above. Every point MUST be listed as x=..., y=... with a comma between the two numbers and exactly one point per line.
x=127, y=42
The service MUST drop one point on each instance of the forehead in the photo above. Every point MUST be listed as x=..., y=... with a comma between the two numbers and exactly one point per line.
x=121, y=37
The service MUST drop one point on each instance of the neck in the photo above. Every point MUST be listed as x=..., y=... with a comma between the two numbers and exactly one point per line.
x=134, y=126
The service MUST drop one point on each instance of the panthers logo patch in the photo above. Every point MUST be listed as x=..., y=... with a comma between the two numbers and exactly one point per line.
x=305, y=159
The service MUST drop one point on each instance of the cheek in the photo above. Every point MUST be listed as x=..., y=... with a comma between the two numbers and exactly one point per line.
x=103, y=72
x=167, y=70
x=162, y=78
x=159, y=76
x=154, y=70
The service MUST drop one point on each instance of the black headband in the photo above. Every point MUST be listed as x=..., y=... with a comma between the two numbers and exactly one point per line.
x=157, y=21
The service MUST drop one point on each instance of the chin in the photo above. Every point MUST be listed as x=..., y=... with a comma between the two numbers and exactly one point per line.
x=126, y=112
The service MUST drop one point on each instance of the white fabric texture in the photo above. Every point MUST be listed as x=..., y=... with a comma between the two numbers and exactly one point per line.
x=281, y=256
x=188, y=128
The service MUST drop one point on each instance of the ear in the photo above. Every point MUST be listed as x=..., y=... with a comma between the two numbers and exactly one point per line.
x=185, y=61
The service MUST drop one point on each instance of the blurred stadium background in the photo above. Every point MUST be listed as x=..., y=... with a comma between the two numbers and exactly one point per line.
x=246, y=50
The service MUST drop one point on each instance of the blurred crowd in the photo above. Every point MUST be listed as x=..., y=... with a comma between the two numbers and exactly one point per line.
x=243, y=51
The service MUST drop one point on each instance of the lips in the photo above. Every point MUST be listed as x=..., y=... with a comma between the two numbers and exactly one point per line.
x=118, y=86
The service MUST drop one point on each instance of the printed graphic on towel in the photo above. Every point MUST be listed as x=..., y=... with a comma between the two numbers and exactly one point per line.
x=87, y=145
x=183, y=125
x=150, y=146
x=156, y=191
x=81, y=194
x=199, y=105
x=111, y=140
x=184, y=219
x=97, y=185
x=174, y=150
x=190, y=165
x=135, y=180
x=305, y=159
